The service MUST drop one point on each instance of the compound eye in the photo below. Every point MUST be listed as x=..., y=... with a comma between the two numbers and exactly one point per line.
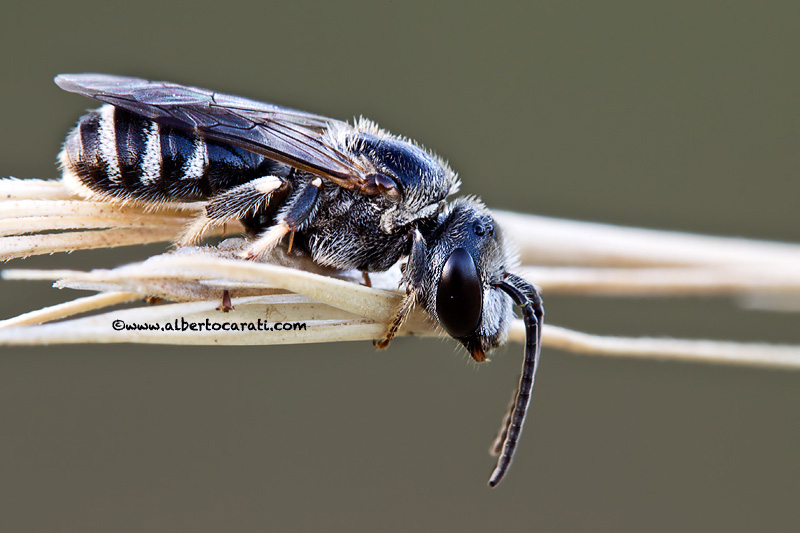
x=458, y=298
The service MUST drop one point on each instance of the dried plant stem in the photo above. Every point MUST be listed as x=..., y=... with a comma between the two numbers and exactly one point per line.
x=322, y=327
x=111, y=214
x=71, y=308
x=553, y=241
x=676, y=281
x=13, y=247
x=667, y=349
x=12, y=189
x=541, y=240
x=23, y=225
x=41, y=217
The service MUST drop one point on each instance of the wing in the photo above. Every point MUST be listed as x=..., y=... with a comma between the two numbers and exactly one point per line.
x=293, y=137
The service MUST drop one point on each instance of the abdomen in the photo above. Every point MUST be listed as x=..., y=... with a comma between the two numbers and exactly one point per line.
x=114, y=153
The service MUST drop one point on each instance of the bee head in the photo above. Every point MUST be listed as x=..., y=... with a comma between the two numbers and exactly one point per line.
x=466, y=258
x=468, y=289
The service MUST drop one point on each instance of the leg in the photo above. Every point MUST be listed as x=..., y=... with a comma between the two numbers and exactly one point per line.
x=234, y=204
x=299, y=210
x=226, y=304
x=399, y=319
x=412, y=277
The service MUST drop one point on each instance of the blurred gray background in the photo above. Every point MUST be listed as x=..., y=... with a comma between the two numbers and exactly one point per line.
x=680, y=115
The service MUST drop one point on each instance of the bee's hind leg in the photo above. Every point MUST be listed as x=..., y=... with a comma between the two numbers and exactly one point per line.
x=301, y=208
x=235, y=204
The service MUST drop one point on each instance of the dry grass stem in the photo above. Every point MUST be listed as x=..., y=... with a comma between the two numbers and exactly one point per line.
x=12, y=189
x=552, y=241
x=68, y=309
x=15, y=247
x=659, y=281
x=688, y=350
x=41, y=217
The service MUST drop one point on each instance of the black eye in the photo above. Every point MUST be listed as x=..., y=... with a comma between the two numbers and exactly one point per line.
x=480, y=229
x=459, y=298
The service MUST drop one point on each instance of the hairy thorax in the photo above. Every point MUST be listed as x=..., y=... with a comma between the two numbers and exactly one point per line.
x=346, y=233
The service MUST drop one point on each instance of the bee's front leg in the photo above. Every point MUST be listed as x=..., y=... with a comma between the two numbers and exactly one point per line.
x=413, y=275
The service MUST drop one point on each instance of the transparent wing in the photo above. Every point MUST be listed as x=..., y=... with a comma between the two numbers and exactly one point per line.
x=280, y=133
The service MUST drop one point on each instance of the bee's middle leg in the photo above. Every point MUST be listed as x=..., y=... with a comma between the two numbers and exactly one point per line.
x=300, y=209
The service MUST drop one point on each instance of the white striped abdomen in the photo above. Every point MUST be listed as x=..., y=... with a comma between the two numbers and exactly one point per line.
x=115, y=153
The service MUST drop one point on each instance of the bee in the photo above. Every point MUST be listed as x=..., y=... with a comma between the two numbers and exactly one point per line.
x=349, y=196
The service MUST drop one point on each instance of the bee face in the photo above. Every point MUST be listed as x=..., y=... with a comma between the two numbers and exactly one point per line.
x=467, y=258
